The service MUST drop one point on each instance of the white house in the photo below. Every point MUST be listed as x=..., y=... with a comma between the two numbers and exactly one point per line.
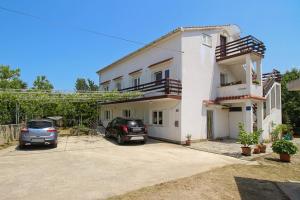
x=201, y=81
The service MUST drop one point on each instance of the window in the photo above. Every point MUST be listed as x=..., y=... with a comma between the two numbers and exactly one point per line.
x=206, y=40
x=235, y=109
x=158, y=76
x=118, y=85
x=265, y=109
x=273, y=98
x=107, y=115
x=105, y=87
x=126, y=113
x=39, y=124
x=157, y=117
x=167, y=73
x=223, y=79
x=278, y=104
x=136, y=81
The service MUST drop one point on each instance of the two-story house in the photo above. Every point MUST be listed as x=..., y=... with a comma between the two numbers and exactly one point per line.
x=201, y=81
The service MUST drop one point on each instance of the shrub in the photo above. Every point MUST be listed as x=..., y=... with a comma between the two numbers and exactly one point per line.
x=284, y=146
x=244, y=138
x=280, y=129
x=256, y=135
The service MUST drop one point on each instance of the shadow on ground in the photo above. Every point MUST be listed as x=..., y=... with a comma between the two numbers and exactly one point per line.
x=256, y=189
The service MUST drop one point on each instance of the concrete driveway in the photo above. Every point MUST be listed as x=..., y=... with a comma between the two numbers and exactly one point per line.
x=95, y=168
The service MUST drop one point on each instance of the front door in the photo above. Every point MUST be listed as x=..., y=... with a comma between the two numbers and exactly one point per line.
x=223, y=41
x=210, y=116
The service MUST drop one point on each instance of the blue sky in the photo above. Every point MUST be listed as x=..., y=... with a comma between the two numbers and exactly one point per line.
x=51, y=47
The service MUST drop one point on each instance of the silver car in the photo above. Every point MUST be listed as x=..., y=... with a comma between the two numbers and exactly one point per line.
x=38, y=132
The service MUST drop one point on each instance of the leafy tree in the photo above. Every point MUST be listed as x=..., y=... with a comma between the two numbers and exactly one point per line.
x=10, y=78
x=92, y=85
x=81, y=85
x=85, y=85
x=290, y=99
x=42, y=83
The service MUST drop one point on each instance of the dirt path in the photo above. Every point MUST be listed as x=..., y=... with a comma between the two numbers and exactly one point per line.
x=246, y=182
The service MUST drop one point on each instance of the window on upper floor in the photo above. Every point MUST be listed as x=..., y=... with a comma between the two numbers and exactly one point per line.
x=136, y=81
x=105, y=87
x=118, y=85
x=223, y=79
x=157, y=76
x=167, y=73
x=206, y=40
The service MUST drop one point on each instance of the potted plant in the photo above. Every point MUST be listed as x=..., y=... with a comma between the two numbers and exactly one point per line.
x=262, y=147
x=245, y=139
x=285, y=149
x=255, y=139
x=255, y=82
x=188, y=139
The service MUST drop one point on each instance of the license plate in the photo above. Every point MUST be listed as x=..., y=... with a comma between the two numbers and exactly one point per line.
x=37, y=140
x=137, y=138
x=136, y=129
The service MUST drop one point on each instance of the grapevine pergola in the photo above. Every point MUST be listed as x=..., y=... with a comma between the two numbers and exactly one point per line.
x=29, y=97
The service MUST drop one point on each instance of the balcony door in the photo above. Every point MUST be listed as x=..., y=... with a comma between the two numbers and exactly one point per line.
x=223, y=41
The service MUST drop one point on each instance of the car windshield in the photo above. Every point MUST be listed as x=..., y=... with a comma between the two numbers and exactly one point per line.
x=135, y=123
x=39, y=124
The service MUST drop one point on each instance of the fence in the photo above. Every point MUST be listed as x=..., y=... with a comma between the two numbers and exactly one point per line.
x=9, y=133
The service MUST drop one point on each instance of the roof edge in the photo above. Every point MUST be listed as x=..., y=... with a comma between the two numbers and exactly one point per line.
x=178, y=29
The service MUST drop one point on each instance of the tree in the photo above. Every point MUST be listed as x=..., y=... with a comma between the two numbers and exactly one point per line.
x=92, y=85
x=42, y=83
x=85, y=85
x=290, y=99
x=10, y=78
x=81, y=85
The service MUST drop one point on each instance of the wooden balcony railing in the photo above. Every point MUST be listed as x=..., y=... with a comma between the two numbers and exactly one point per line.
x=166, y=86
x=239, y=47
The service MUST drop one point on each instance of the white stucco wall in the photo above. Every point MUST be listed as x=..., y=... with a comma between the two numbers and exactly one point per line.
x=168, y=49
x=200, y=78
x=274, y=115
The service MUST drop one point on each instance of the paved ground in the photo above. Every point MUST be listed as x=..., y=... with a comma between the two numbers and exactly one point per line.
x=228, y=147
x=94, y=168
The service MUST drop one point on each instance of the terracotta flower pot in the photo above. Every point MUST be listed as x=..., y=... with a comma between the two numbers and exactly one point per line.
x=284, y=157
x=262, y=148
x=256, y=150
x=246, y=151
x=188, y=142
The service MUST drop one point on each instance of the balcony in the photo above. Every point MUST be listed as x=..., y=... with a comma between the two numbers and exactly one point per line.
x=161, y=87
x=233, y=90
x=240, y=89
x=245, y=45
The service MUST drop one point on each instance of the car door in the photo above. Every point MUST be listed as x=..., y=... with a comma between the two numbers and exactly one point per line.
x=114, y=127
x=109, y=128
x=117, y=127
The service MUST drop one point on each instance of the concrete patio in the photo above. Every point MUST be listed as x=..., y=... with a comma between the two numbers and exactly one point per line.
x=227, y=147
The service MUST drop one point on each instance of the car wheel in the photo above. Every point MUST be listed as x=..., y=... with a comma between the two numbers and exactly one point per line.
x=54, y=145
x=119, y=139
x=106, y=134
x=21, y=146
x=144, y=141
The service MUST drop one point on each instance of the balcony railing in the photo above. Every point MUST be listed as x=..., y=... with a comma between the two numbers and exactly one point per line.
x=166, y=86
x=239, y=47
x=269, y=79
